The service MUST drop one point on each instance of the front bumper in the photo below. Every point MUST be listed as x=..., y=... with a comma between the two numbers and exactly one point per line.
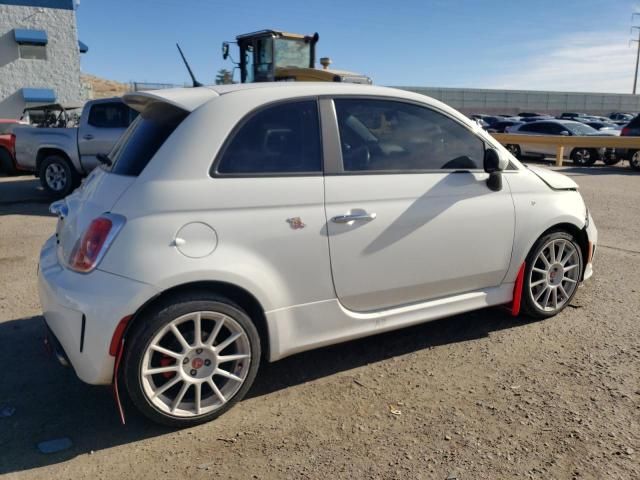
x=83, y=310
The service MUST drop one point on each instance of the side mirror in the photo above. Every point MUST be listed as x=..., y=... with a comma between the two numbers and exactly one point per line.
x=494, y=165
x=225, y=50
x=564, y=133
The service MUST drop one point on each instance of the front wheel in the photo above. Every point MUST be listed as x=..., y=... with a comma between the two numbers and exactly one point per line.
x=584, y=157
x=634, y=161
x=191, y=359
x=6, y=163
x=552, y=274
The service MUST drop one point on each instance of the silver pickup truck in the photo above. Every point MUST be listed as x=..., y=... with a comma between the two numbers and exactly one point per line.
x=61, y=154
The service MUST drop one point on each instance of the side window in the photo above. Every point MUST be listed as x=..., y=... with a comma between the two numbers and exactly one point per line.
x=280, y=139
x=386, y=135
x=109, y=115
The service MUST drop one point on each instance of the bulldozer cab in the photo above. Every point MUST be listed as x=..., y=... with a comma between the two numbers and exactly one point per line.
x=272, y=55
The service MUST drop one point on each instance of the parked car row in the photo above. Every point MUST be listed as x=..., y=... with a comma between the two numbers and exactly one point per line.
x=568, y=124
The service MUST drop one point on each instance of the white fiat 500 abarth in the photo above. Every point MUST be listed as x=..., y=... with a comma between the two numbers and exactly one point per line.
x=234, y=223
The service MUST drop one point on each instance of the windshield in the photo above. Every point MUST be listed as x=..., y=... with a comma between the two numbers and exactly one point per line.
x=290, y=52
x=580, y=129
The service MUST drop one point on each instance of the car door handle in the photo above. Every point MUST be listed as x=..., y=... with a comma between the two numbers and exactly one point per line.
x=88, y=136
x=364, y=217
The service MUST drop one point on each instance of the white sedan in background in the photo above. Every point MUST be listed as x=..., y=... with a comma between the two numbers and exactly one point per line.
x=244, y=222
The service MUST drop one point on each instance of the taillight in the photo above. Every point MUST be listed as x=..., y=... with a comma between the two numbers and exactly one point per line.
x=94, y=243
x=625, y=132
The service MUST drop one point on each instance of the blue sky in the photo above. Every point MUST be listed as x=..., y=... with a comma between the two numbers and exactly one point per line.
x=576, y=45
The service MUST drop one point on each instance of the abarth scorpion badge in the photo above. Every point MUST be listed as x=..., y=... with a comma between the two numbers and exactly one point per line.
x=296, y=223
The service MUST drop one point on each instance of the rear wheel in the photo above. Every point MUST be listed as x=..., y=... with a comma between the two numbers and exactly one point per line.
x=584, y=157
x=552, y=274
x=514, y=150
x=634, y=161
x=191, y=359
x=6, y=163
x=57, y=176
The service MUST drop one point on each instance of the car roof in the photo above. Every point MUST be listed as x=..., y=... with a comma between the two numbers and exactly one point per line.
x=191, y=98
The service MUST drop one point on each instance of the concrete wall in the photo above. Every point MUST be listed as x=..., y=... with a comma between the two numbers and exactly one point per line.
x=61, y=70
x=472, y=100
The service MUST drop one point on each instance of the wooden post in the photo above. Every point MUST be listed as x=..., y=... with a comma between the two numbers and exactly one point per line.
x=559, y=155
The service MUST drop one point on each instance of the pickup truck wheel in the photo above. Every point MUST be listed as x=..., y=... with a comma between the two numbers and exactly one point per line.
x=57, y=176
x=634, y=161
x=6, y=163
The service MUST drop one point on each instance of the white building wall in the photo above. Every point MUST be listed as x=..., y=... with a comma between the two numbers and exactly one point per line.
x=61, y=70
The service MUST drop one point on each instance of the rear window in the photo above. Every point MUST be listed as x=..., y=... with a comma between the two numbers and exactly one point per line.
x=635, y=122
x=144, y=137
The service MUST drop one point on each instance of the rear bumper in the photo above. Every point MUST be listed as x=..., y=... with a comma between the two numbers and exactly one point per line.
x=83, y=310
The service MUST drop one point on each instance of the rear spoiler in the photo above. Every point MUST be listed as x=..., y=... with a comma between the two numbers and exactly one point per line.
x=187, y=99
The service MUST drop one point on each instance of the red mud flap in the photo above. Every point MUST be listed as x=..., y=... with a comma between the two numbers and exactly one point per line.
x=116, y=392
x=117, y=349
x=517, y=291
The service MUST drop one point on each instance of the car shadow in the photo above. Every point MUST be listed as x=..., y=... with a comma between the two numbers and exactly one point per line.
x=23, y=195
x=51, y=403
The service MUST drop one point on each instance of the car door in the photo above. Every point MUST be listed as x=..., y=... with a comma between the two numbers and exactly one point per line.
x=409, y=215
x=100, y=129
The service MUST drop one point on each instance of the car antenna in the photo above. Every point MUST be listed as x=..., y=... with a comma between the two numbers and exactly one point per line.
x=196, y=83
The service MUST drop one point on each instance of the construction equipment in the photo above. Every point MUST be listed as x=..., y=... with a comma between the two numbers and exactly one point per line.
x=272, y=55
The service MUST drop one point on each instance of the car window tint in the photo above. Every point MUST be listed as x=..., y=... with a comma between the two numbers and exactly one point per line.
x=634, y=123
x=386, y=135
x=144, y=137
x=279, y=139
x=109, y=115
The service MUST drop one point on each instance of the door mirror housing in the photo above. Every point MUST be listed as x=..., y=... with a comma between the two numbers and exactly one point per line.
x=564, y=133
x=494, y=164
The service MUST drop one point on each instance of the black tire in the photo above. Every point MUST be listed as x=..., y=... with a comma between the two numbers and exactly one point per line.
x=584, y=157
x=634, y=160
x=611, y=161
x=514, y=150
x=157, y=317
x=528, y=305
x=7, y=165
x=57, y=176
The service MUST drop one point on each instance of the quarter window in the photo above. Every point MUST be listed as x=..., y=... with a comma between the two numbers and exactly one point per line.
x=281, y=139
x=379, y=135
x=109, y=115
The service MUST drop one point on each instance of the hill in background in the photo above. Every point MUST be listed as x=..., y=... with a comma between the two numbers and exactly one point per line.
x=97, y=87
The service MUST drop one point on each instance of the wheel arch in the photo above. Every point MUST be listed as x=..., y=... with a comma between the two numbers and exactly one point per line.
x=579, y=233
x=48, y=151
x=235, y=293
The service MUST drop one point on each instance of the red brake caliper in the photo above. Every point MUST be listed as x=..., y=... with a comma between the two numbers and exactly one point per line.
x=165, y=361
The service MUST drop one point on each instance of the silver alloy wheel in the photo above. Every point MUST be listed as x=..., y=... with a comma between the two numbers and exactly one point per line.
x=582, y=156
x=56, y=177
x=195, y=364
x=635, y=160
x=554, y=275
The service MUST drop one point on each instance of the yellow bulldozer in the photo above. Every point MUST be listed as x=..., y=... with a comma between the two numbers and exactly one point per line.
x=272, y=55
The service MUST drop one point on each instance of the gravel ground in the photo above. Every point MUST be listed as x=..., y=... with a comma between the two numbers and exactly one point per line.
x=475, y=396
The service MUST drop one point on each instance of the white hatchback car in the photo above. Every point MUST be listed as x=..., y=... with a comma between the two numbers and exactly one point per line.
x=249, y=221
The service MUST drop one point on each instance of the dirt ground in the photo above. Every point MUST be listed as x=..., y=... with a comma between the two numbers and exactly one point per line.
x=476, y=396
